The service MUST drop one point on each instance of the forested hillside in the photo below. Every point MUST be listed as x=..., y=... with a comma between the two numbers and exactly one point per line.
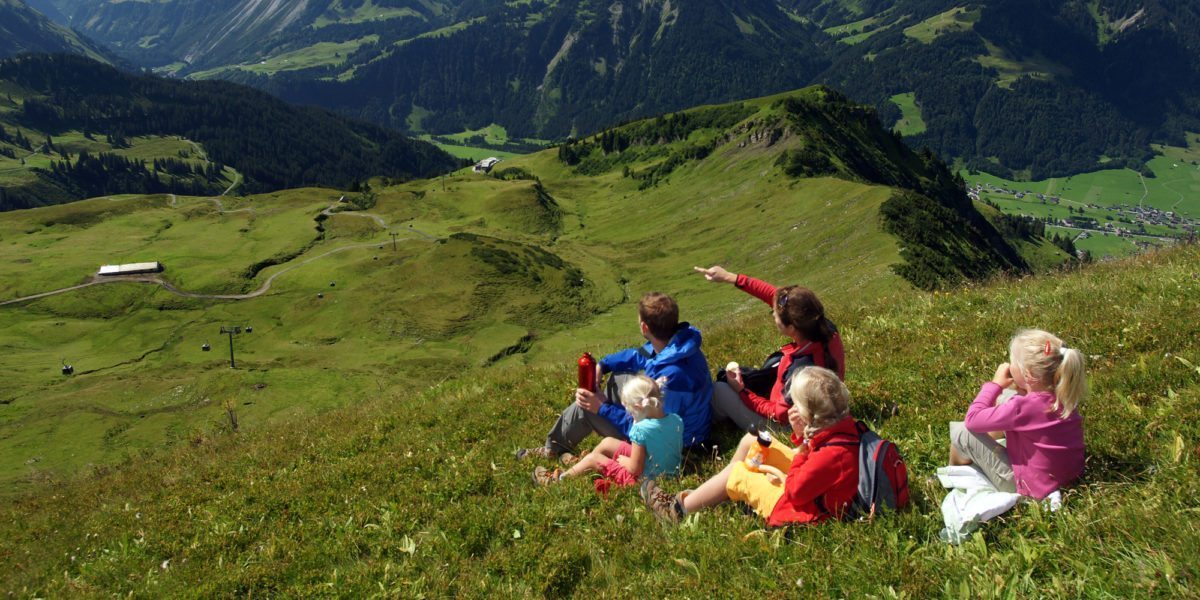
x=25, y=30
x=273, y=145
x=549, y=69
x=1033, y=87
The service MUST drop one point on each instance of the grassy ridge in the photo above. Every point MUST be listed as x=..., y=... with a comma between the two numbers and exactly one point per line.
x=415, y=493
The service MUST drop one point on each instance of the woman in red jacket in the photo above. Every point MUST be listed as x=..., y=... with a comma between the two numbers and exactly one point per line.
x=815, y=341
x=821, y=477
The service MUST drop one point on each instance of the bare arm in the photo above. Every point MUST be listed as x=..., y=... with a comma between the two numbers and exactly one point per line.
x=635, y=463
x=777, y=477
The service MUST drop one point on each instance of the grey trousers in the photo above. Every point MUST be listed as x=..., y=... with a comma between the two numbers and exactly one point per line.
x=575, y=423
x=727, y=404
x=986, y=454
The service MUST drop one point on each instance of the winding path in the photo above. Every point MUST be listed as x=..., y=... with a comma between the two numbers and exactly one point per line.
x=264, y=288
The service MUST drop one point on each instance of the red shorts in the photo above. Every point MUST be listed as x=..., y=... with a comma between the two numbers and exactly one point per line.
x=613, y=473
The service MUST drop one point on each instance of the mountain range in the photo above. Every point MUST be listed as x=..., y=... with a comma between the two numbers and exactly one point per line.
x=1016, y=87
x=73, y=128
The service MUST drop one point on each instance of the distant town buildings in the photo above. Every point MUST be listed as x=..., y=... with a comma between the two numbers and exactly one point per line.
x=1136, y=218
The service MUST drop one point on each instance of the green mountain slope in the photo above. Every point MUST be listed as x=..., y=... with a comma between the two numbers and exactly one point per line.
x=25, y=30
x=541, y=260
x=270, y=144
x=414, y=492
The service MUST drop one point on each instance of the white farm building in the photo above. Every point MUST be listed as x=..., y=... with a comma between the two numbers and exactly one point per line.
x=131, y=268
x=486, y=164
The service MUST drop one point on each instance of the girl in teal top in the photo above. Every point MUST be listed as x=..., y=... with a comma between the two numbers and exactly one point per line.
x=655, y=445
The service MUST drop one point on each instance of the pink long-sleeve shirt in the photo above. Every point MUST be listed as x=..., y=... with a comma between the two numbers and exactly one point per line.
x=1046, y=451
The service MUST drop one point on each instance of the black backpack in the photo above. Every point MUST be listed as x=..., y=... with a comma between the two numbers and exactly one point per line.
x=761, y=380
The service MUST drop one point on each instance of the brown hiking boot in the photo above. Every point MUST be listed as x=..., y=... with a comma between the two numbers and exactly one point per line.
x=665, y=506
x=544, y=476
x=567, y=459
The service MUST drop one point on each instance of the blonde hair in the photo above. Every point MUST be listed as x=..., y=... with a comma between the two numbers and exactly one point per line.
x=641, y=394
x=1043, y=357
x=821, y=398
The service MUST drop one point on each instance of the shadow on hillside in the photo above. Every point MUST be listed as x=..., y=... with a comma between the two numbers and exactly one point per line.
x=1102, y=468
x=873, y=411
x=713, y=455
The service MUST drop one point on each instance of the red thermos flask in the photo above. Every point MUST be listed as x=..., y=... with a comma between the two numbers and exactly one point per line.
x=587, y=372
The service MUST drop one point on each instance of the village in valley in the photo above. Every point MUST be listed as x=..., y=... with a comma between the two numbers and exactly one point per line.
x=1141, y=224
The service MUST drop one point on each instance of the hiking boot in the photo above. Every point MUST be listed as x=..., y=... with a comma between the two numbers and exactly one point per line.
x=665, y=506
x=567, y=459
x=539, y=452
x=544, y=476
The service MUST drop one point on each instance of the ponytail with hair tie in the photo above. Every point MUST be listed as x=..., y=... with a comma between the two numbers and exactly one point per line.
x=1047, y=358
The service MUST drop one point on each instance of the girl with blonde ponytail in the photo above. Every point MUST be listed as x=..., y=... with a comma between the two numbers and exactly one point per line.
x=1041, y=424
x=654, y=448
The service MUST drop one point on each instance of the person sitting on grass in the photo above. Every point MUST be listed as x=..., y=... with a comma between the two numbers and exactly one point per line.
x=672, y=350
x=800, y=316
x=654, y=448
x=1041, y=425
x=821, y=474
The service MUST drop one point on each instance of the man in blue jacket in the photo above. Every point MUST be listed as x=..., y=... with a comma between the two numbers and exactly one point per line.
x=672, y=349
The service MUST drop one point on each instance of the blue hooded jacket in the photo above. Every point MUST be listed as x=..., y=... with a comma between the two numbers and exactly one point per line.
x=689, y=388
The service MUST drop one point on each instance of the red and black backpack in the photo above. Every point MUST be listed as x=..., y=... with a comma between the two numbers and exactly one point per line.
x=882, y=475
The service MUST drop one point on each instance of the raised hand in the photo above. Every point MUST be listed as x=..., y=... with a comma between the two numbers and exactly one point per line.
x=1003, y=376
x=717, y=274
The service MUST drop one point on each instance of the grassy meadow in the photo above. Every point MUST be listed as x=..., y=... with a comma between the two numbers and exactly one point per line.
x=910, y=122
x=20, y=170
x=473, y=153
x=317, y=55
x=365, y=11
x=953, y=20
x=477, y=144
x=413, y=492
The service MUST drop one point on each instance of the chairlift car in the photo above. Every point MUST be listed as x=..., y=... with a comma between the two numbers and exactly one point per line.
x=206, y=347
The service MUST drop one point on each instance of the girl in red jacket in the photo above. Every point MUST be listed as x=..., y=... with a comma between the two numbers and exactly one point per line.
x=800, y=316
x=821, y=478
